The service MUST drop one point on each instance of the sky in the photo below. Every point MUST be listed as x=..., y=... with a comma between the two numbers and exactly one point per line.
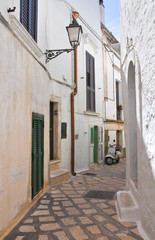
x=112, y=17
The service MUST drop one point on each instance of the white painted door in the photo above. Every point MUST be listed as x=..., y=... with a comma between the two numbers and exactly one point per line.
x=100, y=144
x=91, y=140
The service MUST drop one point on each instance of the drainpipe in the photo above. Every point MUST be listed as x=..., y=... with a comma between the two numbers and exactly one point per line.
x=72, y=112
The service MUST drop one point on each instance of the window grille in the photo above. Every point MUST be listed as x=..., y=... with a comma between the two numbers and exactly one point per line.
x=28, y=16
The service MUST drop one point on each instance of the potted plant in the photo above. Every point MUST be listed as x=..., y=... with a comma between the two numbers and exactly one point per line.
x=120, y=107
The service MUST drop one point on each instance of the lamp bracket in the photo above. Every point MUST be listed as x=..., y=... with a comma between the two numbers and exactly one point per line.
x=51, y=54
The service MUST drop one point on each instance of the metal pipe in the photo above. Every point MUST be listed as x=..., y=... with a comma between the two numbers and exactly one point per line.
x=72, y=112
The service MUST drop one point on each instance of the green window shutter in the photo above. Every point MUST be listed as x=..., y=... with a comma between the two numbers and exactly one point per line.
x=37, y=153
x=92, y=135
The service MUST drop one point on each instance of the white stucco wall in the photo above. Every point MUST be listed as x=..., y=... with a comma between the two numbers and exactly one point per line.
x=83, y=121
x=57, y=16
x=137, y=45
x=112, y=75
x=24, y=88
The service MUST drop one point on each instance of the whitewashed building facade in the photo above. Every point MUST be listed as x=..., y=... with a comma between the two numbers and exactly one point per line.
x=113, y=106
x=138, y=76
x=36, y=97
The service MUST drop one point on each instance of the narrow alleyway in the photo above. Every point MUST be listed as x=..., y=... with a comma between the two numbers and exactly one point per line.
x=71, y=212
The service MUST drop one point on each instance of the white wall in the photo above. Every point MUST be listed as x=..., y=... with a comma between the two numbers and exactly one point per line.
x=113, y=76
x=58, y=16
x=24, y=88
x=137, y=41
x=53, y=17
x=5, y=5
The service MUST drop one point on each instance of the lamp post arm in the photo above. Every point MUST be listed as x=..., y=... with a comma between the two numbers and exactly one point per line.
x=51, y=54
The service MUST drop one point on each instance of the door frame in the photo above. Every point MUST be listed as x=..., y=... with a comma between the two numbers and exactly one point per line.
x=56, y=101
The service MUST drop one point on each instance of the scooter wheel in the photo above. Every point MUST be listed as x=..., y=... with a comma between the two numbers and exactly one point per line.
x=109, y=161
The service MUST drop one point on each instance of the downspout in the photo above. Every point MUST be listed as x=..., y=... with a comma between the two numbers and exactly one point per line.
x=72, y=112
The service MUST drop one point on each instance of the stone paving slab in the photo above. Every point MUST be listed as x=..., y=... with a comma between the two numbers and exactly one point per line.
x=64, y=213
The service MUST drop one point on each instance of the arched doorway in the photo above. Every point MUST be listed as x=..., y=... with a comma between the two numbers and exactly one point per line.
x=132, y=123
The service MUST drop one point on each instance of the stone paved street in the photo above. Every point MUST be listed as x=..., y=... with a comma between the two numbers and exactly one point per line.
x=64, y=213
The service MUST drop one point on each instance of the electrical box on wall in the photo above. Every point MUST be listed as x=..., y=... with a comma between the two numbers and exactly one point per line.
x=63, y=130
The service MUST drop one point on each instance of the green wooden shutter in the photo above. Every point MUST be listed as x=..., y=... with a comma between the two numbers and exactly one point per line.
x=92, y=135
x=37, y=153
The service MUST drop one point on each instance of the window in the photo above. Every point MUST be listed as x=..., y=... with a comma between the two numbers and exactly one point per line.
x=90, y=83
x=28, y=16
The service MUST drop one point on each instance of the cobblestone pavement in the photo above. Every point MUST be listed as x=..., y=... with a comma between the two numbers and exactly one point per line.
x=64, y=213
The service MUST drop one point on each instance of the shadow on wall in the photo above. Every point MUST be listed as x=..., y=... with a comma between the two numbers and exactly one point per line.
x=139, y=164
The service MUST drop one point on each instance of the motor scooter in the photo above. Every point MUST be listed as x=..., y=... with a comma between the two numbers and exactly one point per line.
x=114, y=154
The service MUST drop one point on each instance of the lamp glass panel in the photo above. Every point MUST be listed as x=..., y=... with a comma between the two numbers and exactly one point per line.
x=73, y=33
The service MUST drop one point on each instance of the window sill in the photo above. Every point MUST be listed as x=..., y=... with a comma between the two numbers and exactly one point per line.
x=94, y=114
x=22, y=34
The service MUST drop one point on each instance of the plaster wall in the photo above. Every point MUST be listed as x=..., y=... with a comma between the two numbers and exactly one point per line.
x=52, y=32
x=24, y=88
x=56, y=17
x=112, y=70
x=137, y=45
x=84, y=119
x=53, y=17
x=5, y=5
x=65, y=116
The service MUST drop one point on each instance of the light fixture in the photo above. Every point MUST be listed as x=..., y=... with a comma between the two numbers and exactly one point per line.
x=74, y=33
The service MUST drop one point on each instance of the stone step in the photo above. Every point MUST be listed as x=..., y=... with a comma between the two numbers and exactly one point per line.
x=54, y=165
x=58, y=176
x=127, y=208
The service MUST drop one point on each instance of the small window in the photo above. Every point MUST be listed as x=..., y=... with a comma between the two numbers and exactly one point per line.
x=28, y=16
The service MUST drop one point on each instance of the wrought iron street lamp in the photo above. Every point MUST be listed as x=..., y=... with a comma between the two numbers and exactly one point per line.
x=74, y=33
